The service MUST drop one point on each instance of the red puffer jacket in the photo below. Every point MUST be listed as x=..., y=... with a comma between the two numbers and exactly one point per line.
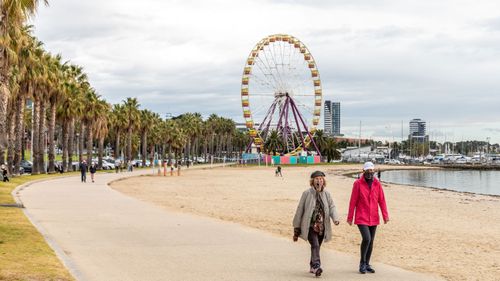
x=365, y=201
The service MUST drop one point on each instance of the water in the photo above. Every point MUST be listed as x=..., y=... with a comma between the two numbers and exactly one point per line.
x=475, y=181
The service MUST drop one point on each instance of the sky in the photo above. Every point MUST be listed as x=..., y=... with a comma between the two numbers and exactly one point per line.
x=386, y=62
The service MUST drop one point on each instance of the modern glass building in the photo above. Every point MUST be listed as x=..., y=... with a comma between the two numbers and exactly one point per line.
x=332, y=118
x=328, y=118
x=418, y=131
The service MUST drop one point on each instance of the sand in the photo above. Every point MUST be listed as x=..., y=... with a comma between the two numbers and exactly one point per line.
x=455, y=235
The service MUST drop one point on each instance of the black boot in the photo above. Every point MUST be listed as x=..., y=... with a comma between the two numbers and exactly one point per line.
x=362, y=267
x=369, y=268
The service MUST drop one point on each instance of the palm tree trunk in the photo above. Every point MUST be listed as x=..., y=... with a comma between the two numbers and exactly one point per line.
x=71, y=144
x=129, y=144
x=4, y=100
x=35, y=131
x=11, y=138
x=65, y=146
x=101, y=152
x=80, y=142
x=89, y=144
x=19, y=133
x=117, y=145
x=144, y=147
x=4, y=83
x=52, y=126
x=42, y=140
x=151, y=154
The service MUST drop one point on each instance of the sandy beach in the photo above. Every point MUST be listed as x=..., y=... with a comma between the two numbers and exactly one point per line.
x=455, y=235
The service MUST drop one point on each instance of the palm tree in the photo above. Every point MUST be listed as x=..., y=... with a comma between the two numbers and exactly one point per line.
x=131, y=107
x=13, y=13
x=89, y=119
x=55, y=95
x=330, y=150
x=118, y=122
x=102, y=111
x=320, y=139
x=273, y=142
x=146, y=124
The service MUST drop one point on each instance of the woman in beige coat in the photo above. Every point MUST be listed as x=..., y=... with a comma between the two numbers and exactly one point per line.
x=312, y=218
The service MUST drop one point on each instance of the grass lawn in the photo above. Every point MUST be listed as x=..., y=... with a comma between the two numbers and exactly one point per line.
x=24, y=254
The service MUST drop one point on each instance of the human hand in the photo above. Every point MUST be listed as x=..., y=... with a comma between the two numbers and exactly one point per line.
x=386, y=221
x=349, y=222
x=336, y=222
x=295, y=238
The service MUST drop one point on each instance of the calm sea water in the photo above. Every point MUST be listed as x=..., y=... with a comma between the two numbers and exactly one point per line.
x=481, y=182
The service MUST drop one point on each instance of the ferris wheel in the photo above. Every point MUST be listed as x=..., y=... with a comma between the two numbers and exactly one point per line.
x=281, y=95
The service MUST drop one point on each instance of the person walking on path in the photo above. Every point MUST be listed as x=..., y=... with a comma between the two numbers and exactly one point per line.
x=366, y=197
x=83, y=170
x=92, y=170
x=5, y=176
x=312, y=218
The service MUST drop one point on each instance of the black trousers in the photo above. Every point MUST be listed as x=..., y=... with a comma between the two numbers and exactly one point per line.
x=315, y=240
x=368, y=235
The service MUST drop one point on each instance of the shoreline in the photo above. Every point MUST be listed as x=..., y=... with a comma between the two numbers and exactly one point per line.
x=427, y=225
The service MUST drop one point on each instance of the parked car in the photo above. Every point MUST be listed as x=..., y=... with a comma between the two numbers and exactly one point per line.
x=27, y=166
x=108, y=165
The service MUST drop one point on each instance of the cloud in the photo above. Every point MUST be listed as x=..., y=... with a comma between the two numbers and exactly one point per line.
x=385, y=61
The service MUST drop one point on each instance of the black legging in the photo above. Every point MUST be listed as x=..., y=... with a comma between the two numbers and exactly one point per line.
x=368, y=234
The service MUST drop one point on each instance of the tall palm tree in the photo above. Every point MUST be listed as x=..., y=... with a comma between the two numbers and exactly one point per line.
x=13, y=13
x=89, y=119
x=131, y=107
x=146, y=124
x=273, y=142
x=330, y=150
x=102, y=111
x=55, y=95
x=320, y=139
x=118, y=123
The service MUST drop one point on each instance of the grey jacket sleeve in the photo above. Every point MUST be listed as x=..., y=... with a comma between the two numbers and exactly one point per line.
x=333, y=211
x=297, y=219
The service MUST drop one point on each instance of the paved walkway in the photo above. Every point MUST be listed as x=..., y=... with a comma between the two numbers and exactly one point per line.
x=101, y=234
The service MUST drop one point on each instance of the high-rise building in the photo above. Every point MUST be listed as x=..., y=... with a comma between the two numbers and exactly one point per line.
x=328, y=124
x=417, y=131
x=336, y=118
x=332, y=118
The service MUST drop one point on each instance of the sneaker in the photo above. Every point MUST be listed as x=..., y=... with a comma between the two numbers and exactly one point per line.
x=369, y=268
x=311, y=270
x=317, y=271
x=362, y=267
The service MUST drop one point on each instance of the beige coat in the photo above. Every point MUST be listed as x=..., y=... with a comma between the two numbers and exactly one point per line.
x=305, y=211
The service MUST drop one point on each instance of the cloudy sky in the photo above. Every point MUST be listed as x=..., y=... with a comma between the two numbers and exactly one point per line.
x=385, y=61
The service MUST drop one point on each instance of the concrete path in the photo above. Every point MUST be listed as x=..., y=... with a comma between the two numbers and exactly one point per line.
x=101, y=234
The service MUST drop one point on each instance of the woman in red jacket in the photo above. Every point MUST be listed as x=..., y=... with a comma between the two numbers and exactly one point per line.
x=367, y=195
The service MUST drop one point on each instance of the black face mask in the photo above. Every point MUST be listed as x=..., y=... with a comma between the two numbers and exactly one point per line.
x=368, y=175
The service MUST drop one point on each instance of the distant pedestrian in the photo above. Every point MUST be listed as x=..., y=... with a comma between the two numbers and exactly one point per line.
x=92, y=169
x=366, y=197
x=83, y=170
x=312, y=218
x=5, y=176
x=278, y=172
x=379, y=174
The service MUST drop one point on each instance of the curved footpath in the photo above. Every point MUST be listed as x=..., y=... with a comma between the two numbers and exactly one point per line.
x=101, y=234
